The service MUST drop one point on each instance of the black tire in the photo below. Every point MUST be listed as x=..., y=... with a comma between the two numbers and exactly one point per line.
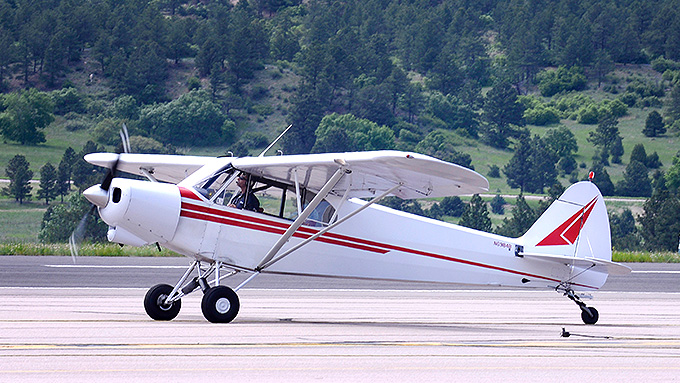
x=220, y=304
x=590, y=318
x=154, y=306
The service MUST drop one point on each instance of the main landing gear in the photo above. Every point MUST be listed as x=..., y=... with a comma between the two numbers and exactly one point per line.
x=589, y=315
x=220, y=304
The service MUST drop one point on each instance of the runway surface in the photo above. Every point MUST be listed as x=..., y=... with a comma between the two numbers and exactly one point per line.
x=70, y=324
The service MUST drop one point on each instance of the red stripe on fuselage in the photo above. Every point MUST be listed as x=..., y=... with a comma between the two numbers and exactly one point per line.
x=187, y=193
x=205, y=213
x=228, y=218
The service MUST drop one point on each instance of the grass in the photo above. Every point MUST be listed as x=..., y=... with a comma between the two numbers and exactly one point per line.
x=113, y=250
x=92, y=249
x=20, y=222
x=58, y=139
x=650, y=257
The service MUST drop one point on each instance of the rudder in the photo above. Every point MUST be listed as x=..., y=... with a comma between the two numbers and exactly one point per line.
x=575, y=225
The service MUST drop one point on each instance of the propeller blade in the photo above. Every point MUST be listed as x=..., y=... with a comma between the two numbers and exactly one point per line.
x=106, y=183
x=125, y=138
x=76, y=238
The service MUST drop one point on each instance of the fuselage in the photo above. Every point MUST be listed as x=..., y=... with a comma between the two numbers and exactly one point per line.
x=379, y=243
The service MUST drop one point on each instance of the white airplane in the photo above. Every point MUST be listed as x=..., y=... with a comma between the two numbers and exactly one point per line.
x=318, y=216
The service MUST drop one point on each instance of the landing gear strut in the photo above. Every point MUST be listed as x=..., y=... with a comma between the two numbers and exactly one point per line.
x=588, y=314
x=220, y=304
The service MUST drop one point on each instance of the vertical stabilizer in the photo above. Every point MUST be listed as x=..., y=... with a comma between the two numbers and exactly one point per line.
x=575, y=225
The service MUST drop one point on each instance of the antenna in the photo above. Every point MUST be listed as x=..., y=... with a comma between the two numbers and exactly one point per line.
x=275, y=141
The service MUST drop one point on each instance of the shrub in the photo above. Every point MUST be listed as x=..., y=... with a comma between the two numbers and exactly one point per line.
x=542, y=115
x=589, y=115
x=67, y=100
x=661, y=64
x=628, y=98
x=560, y=80
x=614, y=107
x=193, y=83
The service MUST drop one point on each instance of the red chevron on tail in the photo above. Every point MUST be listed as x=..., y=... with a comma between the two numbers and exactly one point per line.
x=567, y=232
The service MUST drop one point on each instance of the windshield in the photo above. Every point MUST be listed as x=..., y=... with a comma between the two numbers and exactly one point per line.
x=215, y=184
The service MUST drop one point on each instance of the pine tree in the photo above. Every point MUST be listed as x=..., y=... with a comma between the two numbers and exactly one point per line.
x=85, y=175
x=66, y=167
x=605, y=136
x=504, y=115
x=639, y=154
x=616, y=150
x=625, y=234
x=654, y=125
x=635, y=181
x=532, y=167
x=603, y=181
x=19, y=175
x=660, y=222
x=523, y=216
x=497, y=204
x=63, y=183
x=673, y=104
x=476, y=215
x=48, y=183
x=452, y=206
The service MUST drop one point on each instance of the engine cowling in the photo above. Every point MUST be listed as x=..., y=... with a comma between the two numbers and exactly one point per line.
x=124, y=237
x=147, y=211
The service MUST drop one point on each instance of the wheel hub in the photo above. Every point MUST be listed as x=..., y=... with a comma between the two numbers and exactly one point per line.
x=222, y=305
x=161, y=302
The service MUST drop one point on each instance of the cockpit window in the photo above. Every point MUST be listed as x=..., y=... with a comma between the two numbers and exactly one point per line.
x=216, y=183
x=275, y=198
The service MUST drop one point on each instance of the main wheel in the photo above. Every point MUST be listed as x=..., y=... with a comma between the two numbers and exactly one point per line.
x=220, y=304
x=590, y=318
x=154, y=303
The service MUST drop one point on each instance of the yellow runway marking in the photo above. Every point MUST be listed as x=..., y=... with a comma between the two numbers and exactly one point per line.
x=618, y=343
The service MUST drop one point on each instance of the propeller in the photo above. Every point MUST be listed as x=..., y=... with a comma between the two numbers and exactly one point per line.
x=98, y=197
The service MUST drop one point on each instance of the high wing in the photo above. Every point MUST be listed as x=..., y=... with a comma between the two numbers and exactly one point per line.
x=420, y=176
x=162, y=167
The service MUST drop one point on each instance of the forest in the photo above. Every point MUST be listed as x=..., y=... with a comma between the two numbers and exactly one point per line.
x=508, y=78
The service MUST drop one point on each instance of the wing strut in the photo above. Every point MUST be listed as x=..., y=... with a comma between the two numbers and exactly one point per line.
x=330, y=184
x=264, y=265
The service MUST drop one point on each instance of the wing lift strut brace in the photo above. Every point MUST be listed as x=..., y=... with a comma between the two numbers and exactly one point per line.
x=271, y=257
x=181, y=288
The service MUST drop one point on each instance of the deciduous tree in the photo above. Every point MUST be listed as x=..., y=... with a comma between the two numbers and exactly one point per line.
x=25, y=115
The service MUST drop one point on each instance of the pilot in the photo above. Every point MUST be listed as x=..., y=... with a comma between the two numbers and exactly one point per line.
x=239, y=200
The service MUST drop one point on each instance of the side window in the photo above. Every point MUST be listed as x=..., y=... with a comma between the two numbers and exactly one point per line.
x=275, y=198
x=321, y=216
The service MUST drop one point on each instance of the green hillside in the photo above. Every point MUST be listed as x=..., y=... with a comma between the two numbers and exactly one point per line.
x=466, y=82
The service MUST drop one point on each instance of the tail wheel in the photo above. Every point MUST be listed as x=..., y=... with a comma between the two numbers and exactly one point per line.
x=220, y=304
x=155, y=306
x=589, y=318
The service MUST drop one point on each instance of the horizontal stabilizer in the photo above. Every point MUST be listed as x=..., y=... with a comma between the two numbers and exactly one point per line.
x=595, y=264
